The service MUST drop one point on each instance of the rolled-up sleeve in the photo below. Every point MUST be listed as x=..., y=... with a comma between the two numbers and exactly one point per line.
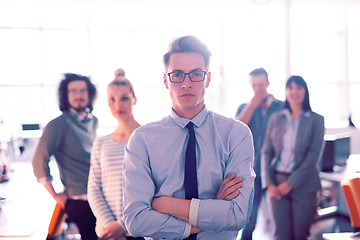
x=48, y=144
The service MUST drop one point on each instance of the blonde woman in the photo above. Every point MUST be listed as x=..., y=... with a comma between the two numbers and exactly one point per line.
x=105, y=178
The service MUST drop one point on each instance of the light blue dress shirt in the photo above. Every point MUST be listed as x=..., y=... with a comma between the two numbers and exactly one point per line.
x=154, y=166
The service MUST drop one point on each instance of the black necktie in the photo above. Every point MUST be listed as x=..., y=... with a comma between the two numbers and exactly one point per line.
x=190, y=180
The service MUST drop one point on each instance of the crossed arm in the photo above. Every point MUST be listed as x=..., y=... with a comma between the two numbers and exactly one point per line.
x=144, y=179
x=180, y=208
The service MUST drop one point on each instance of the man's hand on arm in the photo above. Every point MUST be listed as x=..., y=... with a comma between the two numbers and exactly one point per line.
x=60, y=198
x=180, y=208
x=229, y=188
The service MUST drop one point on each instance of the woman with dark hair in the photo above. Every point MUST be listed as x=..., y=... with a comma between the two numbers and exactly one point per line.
x=292, y=148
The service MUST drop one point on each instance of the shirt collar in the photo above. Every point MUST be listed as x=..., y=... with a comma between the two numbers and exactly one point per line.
x=285, y=112
x=269, y=100
x=197, y=120
x=306, y=114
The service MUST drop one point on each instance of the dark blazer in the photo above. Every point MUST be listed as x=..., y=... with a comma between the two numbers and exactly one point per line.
x=308, y=150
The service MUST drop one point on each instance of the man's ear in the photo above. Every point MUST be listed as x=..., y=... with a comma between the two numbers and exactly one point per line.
x=166, y=81
x=208, y=78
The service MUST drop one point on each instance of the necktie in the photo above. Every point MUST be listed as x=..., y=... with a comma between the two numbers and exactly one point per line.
x=190, y=180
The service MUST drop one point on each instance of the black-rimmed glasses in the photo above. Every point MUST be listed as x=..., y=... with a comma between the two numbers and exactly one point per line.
x=194, y=76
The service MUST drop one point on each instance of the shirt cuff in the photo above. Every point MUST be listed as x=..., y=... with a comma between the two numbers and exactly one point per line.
x=193, y=213
x=45, y=180
x=186, y=231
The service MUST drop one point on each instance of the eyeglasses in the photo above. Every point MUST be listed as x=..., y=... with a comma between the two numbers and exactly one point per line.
x=75, y=91
x=194, y=76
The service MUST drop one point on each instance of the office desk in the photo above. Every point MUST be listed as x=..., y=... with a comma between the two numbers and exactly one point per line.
x=339, y=236
x=351, y=170
x=27, y=209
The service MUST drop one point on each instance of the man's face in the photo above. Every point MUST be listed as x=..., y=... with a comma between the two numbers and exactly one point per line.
x=187, y=97
x=78, y=95
x=259, y=83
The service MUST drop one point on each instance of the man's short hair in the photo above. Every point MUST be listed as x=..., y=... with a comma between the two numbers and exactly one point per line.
x=63, y=91
x=187, y=44
x=259, y=71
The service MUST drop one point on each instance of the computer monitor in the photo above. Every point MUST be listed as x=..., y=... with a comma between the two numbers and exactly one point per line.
x=336, y=151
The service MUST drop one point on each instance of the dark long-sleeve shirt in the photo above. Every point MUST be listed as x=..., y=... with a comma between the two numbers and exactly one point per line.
x=69, y=140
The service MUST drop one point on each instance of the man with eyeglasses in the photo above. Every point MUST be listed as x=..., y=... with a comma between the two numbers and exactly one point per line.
x=69, y=139
x=173, y=191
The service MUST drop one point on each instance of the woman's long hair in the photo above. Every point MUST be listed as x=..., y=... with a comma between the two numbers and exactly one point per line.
x=300, y=82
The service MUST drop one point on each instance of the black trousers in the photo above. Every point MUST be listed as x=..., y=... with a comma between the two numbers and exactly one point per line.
x=79, y=212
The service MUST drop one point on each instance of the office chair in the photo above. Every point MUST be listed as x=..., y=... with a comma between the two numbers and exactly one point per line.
x=55, y=227
x=351, y=190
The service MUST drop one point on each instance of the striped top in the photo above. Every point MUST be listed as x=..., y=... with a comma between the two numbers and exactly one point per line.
x=105, y=192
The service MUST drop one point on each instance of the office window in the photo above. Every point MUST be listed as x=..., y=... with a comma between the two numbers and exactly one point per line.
x=64, y=51
x=254, y=36
x=354, y=103
x=40, y=40
x=20, y=57
x=354, y=56
x=21, y=103
x=353, y=53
